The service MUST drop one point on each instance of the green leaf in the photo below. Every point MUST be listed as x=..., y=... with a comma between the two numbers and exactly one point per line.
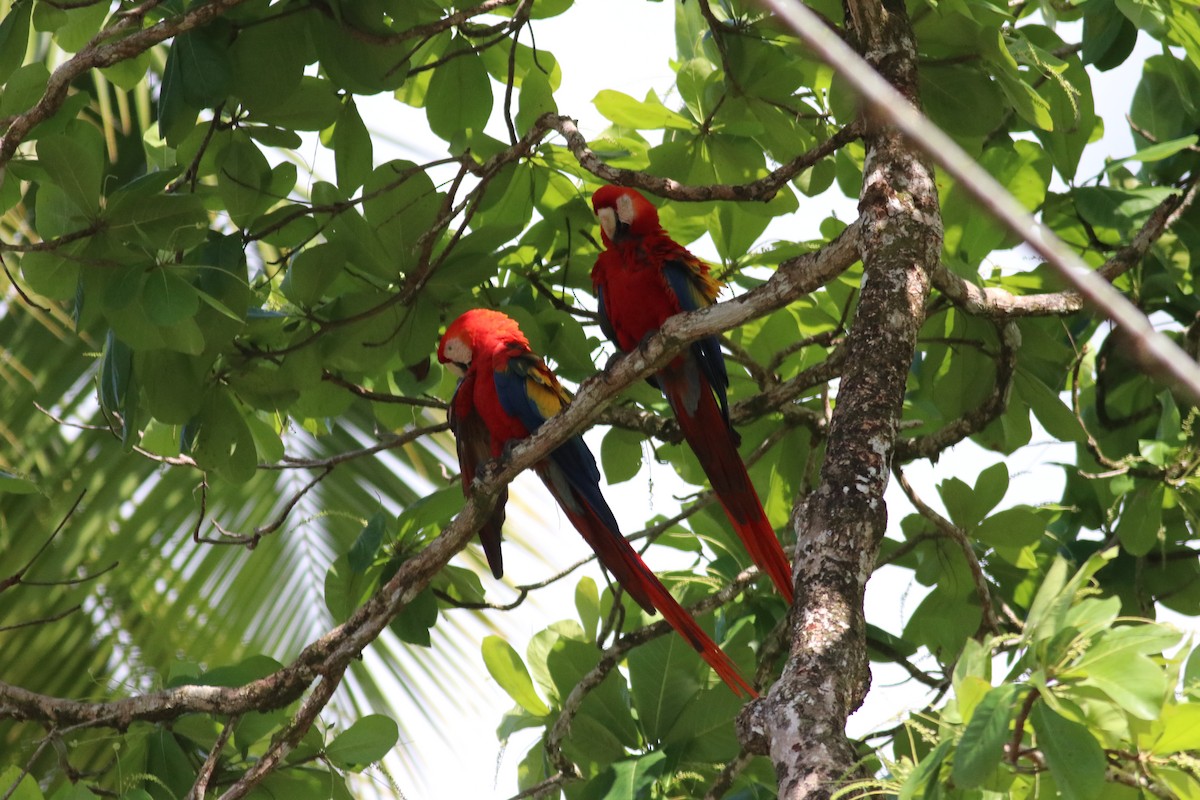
x=536, y=99
x=415, y=620
x=991, y=486
x=1072, y=753
x=366, y=741
x=587, y=603
x=82, y=24
x=1180, y=731
x=205, y=69
x=366, y=545
x=352, y=152
x=14, y=39
x=1141, y=518
x=265, y=73
x=506, y=667
x=1055, y=596
x=346, y=589
x=1013, y=527
x=962, y=99
x=1134, y=682
x=621, y=455
x=51, y=274
x=313, y=106
x=116, y=373
x=312, y=272
x=402, y=204
x=173, y=386
x=75, y=164
x=982, y=744
x=1048, y=407
x=168, y=298
x=648, y=114
x=24, y=87
x=1108, y=35
x=459, y=98
x=626, y=780
x=243, y=180
x=12, y=483
x=926, y=773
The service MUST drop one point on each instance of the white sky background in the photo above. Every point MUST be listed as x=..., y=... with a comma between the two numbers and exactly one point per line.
x=627, y=45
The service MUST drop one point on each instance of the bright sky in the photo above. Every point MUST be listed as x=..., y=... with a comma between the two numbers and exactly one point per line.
x=627, y=45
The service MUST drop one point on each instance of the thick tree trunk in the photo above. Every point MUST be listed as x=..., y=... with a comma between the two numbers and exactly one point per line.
x=840, y=525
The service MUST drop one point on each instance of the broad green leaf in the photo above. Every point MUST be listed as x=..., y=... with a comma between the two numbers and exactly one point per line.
x=243, y=180
x=352, y=153
x=982, y=743
x=168, y=297
x=626, y=780
x=1048, y=407
x=648, y=114
x=366, y=546
x=506, y=667
x=205, y=67
x=14, y=38
x=264, y=74
x=75, y=162
x=926, y=773
x=368, y=740
x=12, y=483
x=312, y=272
x=173, y=385
x=459, y=97
x=313, y=106
x=82, y=24
x=1057, y=593
x=991, y=486
x=621, y=455
x=402, y=204
x=415, y=620
x=587, y=603
x=24, y=88
x=1133, y=681
x=1013, y=527
x=1181, y=730
x=1141, y=518
x=1108, y=35
x=1072, y=753
x=536, y=99
x=962, y=99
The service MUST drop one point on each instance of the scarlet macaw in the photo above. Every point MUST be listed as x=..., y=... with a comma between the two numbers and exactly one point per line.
x=641, y=278
x=505, y=393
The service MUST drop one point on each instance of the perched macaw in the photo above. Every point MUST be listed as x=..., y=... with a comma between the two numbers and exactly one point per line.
x=505, y=393
x=641, y=278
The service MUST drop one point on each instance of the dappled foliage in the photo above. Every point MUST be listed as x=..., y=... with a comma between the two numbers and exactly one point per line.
x=225, y=351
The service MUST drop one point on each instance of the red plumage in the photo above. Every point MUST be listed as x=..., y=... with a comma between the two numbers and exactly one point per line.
x=505, y=394
x=642, y=278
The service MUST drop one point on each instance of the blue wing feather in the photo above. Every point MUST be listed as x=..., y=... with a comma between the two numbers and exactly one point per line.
x=529, y=392
x=707, y=351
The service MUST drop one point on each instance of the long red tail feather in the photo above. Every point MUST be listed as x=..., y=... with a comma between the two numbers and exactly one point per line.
x=711, y=440
x=620, y=559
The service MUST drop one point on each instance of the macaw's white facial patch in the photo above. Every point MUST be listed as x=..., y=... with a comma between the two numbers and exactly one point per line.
x=608, y=221
x=625, y=209
x=457, y=355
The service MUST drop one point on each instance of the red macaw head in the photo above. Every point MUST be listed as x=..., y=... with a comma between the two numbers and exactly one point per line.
x=476, y=330
x=624, y=212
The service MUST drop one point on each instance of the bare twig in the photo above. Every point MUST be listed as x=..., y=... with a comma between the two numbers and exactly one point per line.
x=959, y=537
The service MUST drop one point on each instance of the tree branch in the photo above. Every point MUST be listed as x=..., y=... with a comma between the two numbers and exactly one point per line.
x=1158, y=353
